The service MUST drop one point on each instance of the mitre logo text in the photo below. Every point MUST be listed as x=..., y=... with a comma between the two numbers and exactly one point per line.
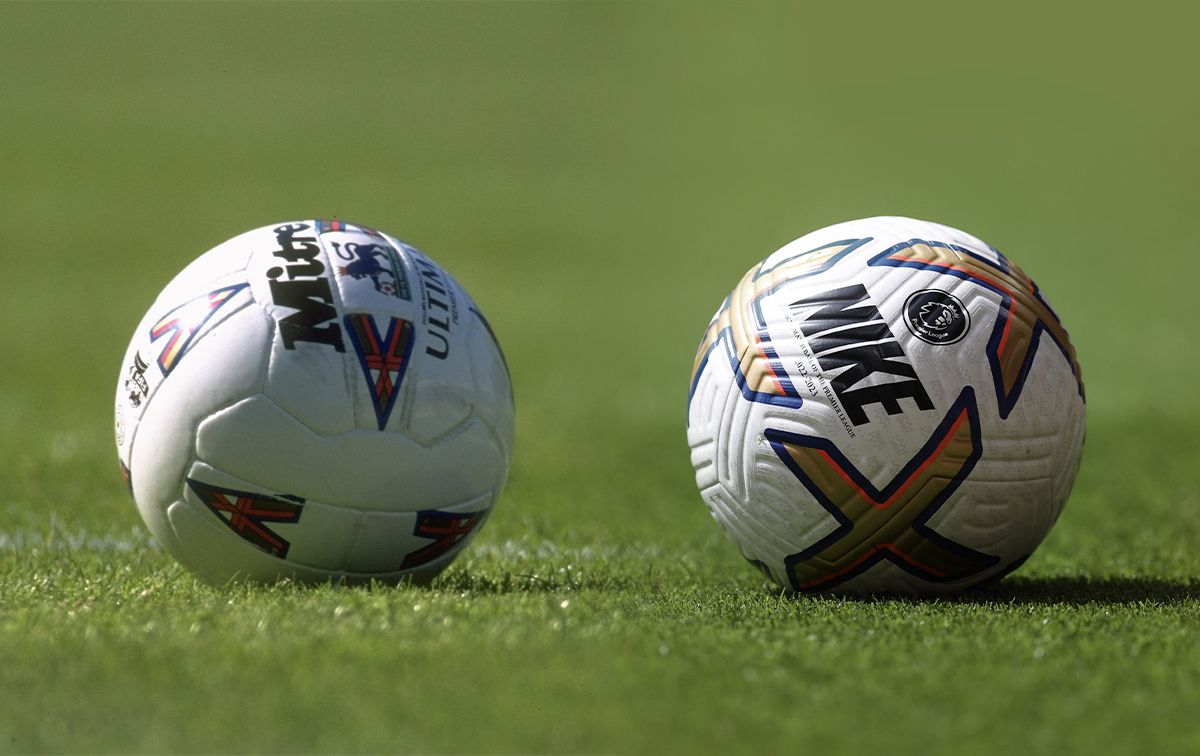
x=301, y=285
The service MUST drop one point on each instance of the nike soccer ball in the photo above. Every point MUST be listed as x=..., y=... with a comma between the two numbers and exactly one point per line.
x=314, y=400
x=886, y=405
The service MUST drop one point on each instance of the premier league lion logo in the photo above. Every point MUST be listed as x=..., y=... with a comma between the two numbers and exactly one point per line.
x=377, y=262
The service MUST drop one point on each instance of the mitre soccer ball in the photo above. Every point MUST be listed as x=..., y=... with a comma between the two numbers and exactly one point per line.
x=886, y=405
x=314, y=400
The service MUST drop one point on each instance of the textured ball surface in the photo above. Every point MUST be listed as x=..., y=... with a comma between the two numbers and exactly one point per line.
x=886, y=405
x=314, y=400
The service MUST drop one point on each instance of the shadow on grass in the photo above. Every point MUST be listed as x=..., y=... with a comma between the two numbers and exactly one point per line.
x=1046, y=591
x=1078, y=591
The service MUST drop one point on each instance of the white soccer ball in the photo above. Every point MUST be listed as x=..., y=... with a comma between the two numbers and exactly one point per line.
x=314, y=400
x=886, y=405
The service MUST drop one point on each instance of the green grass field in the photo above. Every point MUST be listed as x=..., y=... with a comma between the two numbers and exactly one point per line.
x=598, y=176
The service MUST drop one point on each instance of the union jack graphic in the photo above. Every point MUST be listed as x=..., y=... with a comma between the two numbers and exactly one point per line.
x=341, y=225
x=447, y=529
x=384, y=358
x=245, y=514
x=185, y=321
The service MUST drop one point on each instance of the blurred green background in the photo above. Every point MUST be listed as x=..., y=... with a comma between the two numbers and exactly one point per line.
x=598, y=176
